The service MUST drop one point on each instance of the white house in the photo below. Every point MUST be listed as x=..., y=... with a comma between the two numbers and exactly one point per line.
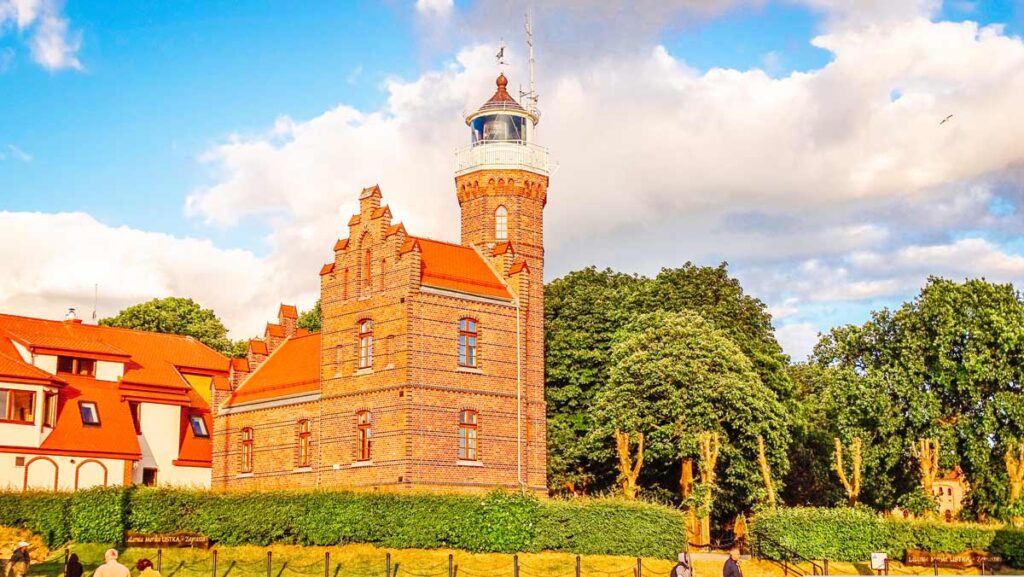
x=85, y=405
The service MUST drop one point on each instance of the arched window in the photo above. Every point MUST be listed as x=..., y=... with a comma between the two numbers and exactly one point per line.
x=467, y=435
x=368, y=268
x=501, y=223
x=467, y=342
x=366, y=344
x=304, y=436
x=364, y=429
x=247, y=450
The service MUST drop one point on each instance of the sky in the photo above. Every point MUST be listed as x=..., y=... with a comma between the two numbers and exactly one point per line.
x=215, y=149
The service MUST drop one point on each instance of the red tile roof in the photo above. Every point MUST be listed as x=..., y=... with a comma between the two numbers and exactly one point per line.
x=379, y=212
x=257, y=347
x=517, y=267
x=502, y=248
x=241, y=365
x=195, y=451
x=459, y=268
x=13, y=367
x=342, y=244
x=369, y=192
x=113, y=437
x=288, y=312
x=327, y=268
x=353, y=220
x=293, y=369
x=275, y=330
x=394, y=229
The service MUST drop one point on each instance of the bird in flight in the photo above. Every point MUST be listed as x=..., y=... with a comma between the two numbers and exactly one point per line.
x=946, y=119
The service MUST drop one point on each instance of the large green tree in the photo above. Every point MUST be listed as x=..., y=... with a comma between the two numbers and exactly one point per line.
x=951, y=365
x=674, y=376
x=180, y=316
x=311, y=320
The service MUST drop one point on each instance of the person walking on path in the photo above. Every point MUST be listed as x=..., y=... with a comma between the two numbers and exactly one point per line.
x=18, y=565
x=732, y=564
x=682, y=568
x=110, y=567
x=74, y=567
x=145, y=568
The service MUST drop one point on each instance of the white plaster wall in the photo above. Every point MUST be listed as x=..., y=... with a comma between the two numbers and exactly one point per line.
x=40, y=470
x=109, y=371
x=23, y=351
x=47, y=362
x=159, y=443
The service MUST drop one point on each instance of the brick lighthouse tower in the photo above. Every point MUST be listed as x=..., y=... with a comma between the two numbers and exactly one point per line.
x=501, y=180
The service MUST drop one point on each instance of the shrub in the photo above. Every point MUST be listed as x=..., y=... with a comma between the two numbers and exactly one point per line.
x=42, y=512
x=845, y=534
x=496, y=522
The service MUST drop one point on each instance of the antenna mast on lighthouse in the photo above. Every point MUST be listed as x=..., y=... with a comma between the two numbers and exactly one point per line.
x=531, y=96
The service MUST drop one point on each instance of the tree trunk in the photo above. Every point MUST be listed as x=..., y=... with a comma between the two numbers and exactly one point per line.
x=852, y=487
x=1015, y=473
x=710, y=444
x=766, y=472
x=628, y=469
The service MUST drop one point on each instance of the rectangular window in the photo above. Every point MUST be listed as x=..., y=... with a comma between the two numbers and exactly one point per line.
x=365, y=430
x=149, y=477
x=198, y=426
x=76, y=366
x=467, y=435
x=51, y=410
x=18, y=406
x=304, y=439
x=247, y=450
x=467, y=342
x=90, y=414
x=365, y=344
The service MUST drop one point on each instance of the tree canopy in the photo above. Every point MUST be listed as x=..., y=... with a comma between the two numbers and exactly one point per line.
x=180, y=316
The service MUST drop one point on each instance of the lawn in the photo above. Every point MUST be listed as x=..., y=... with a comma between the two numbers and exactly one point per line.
x=369, y=561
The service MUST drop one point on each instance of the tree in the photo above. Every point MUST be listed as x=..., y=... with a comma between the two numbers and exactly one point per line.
x=1014, y=461
x=766, y=473
x=311, y=320
x=950, y=363
x=675, y=376
x=180, y=316
x=629, y=467
x=851, y=482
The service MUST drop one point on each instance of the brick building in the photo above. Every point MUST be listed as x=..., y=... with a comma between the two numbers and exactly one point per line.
x=428, y=373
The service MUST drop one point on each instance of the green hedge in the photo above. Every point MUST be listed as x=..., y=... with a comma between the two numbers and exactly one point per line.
x=497, y=522
x=845, y=534
x=44, y=513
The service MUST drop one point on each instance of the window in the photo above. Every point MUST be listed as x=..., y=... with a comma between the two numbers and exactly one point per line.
x=467, y=342
x=76, y=366
x=366, y=344
x=51, y=410
x=467, y=435
x=501, y=223
x=90, y=414
x=367, y=267
x=304, y=438
x=364, y=428
x=18, y=406
x=149, y=477
x=247, y=450
x=198, y=426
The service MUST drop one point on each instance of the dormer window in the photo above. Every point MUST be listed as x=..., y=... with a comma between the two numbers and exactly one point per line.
x=76, y=366
x=90, y=414
x=17, y=406
x=198, y=426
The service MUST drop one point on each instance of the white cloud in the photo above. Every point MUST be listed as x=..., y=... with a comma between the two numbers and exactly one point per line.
x=71, y=252
x=18, y=154
x=797, y=339
x=435, y=7
x=51, y=43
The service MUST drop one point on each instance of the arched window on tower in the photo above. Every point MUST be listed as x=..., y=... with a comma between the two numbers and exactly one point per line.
x=501, y=223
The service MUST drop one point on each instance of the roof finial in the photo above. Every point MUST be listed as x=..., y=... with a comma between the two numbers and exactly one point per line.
x=502, y=82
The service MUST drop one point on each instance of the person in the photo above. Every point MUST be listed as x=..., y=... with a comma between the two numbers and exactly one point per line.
x=110, y=567
x=18, y=565
x=682, y=568
x=145, y=568
x=74, y=566
x=732, y=564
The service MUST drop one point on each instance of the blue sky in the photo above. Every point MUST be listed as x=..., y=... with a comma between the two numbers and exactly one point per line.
x=123, y=111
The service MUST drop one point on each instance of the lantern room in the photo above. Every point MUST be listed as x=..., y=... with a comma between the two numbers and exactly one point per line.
x=501, y=119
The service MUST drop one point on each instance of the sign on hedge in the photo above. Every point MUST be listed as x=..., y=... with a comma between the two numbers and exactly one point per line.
x=160, y=540
x=960, y=560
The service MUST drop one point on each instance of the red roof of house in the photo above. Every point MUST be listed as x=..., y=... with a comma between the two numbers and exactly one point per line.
x=195, y=451
x=113, y=437
x=459, y=268
x=153, y=367
x=293, y=369
x=289, y=312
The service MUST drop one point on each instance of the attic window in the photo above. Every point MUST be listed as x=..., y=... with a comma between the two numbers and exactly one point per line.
x=76, y=366
x=198, y=426
x=90, y=414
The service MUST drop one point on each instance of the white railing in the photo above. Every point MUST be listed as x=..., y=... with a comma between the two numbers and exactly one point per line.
x=502, y=155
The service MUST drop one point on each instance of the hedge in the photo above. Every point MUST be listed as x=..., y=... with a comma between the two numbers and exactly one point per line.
x=847, y=534
x=496, y=522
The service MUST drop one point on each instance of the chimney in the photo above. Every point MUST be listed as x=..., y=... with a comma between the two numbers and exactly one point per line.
x=71, y=315
x=288, y=318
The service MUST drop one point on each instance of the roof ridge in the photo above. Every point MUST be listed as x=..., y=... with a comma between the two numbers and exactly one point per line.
x=426, y=238
x=99, y=326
